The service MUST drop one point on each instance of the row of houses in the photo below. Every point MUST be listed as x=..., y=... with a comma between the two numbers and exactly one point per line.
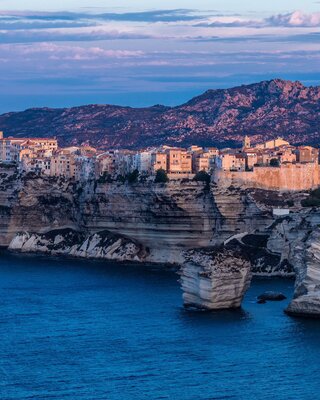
x=272, y=153
x=13, y=149
x=175, y=161
x=42, y=155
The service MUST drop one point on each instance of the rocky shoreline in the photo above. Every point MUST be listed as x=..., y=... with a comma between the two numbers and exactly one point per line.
x=67, y=242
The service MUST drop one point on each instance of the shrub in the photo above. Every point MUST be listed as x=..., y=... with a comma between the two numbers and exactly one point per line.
x=143, y=178
x=315, y=193
x=7, y=165
x=121, y=178
x=290, y=203
x=133, y=176
x=161, y=176
x=202, y=176
x=274, y=162
x=313, y=200
x=105, y=178
x=310, y=202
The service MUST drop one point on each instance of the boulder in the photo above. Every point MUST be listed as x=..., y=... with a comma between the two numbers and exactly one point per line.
x=271, y=296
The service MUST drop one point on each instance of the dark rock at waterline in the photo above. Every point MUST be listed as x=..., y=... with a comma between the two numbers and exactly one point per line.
x=270, y=296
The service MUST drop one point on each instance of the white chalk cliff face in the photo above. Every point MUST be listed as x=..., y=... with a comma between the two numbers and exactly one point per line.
x=166, y=219
x=102, y=245
x=306, y=258
x=214, y=279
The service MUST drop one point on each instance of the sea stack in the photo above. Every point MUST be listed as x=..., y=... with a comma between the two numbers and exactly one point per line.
x=214, y=279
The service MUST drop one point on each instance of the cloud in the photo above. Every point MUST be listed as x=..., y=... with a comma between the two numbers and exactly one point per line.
x=289, y=20
x=56, y=35
x=67, y=52
x=173, y=15
x=176, y=24
x=312, y=37
x=98, y=57
x=12, y=24
x=88, y=55
x=295, y=19
x=228, y=23
x=26, y=26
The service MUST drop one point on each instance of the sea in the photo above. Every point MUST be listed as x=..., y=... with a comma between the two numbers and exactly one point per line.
x=75, y=329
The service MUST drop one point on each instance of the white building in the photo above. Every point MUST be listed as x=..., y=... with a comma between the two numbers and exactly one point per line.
x=143, y=161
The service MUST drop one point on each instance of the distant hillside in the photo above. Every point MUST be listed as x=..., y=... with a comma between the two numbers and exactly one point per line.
x=217, y=117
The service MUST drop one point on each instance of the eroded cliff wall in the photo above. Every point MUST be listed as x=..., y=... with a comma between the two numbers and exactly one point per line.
x=164, y=218
x=35, y=204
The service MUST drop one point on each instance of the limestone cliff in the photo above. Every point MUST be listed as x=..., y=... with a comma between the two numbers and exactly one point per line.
x=165, y=218
x=290, y=246
x=102, y=245
x=288, y=233
x=306, y=256
x=264, y=263
x=36, y=204
x=215, y=279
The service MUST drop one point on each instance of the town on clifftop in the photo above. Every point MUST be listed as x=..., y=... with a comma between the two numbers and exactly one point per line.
x=274, y=164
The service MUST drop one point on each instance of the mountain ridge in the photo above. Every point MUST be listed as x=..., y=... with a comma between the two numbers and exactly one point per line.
x=217, y=117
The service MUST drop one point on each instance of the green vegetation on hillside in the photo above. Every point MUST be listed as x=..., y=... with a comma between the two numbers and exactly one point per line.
x=161, y=176
x=313, y=200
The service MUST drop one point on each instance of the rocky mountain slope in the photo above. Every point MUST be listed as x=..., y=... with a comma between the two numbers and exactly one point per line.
x=217, y=117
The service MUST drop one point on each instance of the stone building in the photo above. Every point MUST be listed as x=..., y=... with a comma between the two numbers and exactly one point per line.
x=272, y=144
x=179, y=161
x=143, y=161
x=231, y=162
x=246, y=143
x=307, y=154
x=159, y=161
x=105, y=163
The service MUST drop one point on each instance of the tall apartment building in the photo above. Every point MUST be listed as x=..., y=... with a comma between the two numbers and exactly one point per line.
x=159, y=161
x=179, y=161
x=143, y=161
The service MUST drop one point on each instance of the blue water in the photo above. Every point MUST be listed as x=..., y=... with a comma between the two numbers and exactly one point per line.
x=90, y=330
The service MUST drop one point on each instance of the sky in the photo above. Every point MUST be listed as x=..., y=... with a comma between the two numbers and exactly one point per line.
x=66, y=53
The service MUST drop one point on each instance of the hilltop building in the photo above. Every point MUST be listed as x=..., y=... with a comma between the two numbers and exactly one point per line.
x=159, y=161
x=246, y=143
x=10, y=148
x=272, y=144
x=179, y=161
